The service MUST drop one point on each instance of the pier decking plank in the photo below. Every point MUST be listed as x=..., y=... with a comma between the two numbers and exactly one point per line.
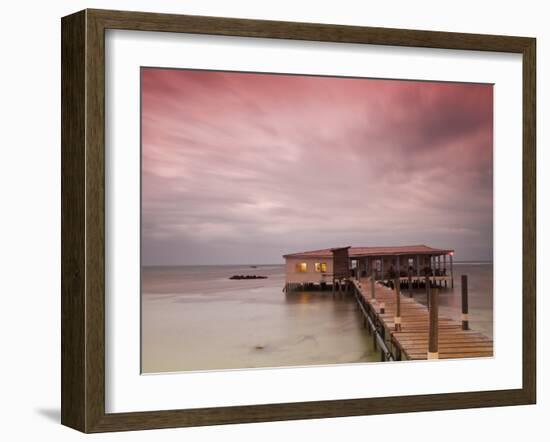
x=413, y=338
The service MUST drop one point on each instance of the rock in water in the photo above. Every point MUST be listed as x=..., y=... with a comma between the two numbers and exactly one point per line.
x=247, y=277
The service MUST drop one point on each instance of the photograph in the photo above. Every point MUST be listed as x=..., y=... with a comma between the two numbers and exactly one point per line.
x=293, y=220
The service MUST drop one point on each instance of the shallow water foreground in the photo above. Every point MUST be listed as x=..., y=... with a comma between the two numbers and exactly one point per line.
x=253, y=324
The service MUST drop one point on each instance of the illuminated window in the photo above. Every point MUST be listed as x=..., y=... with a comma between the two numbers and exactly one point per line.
x=320, y=266
x=301, y=267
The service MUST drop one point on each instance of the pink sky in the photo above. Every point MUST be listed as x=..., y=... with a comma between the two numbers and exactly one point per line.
x=242, y=168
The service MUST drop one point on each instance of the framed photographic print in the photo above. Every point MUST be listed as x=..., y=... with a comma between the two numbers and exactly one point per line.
x=271, y=220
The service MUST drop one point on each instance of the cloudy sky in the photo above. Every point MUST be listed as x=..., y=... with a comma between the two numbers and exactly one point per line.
x=242, y=168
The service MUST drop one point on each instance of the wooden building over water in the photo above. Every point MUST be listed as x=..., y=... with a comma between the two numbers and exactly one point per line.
x=401, y=327
x=332, y=266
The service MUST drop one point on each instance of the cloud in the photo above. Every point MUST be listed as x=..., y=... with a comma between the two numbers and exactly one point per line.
x=242, y=168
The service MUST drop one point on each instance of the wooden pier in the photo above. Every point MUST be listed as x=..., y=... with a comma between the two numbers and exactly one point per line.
x=400, y=325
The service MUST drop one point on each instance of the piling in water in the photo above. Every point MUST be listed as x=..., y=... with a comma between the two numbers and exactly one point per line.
x=428, y=283
x=397, y=318
x=464, y=318
x=433, y=339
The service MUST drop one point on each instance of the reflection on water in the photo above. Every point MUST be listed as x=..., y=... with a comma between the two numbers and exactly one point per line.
x=194, y=318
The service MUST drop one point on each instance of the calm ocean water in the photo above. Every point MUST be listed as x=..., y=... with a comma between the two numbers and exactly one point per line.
x=195, y=318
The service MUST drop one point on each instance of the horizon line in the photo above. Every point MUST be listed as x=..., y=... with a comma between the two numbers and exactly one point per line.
x=277, y=264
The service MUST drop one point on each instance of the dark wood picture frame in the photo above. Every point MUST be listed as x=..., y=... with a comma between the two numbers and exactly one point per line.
x=83, y=220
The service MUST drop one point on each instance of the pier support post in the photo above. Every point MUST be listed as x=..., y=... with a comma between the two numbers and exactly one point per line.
x=464, y=302
x=452, y=275
x=433, y=340
x=398, y=268
x=373, y=285
x=397, y=318
x=445, y=269
x=410, y=285
x=428, y=283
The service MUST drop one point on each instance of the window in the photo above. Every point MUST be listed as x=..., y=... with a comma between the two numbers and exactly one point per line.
x=321, y=267
x=301, y=267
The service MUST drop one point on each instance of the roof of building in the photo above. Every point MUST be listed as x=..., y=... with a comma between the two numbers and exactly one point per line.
x=373, y=251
